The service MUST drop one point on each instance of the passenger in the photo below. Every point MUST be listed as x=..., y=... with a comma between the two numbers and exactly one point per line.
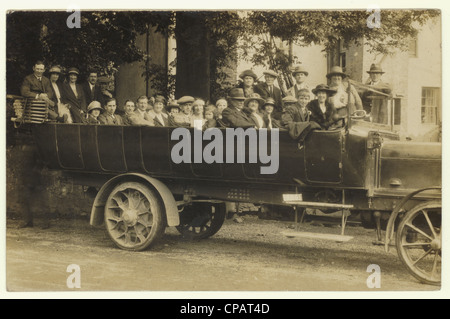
x=58, y=110
x=160, y=119
x=300, y=74
x=268, y=108
x=92, y=89
x=210, y=120
x=172, y=109
x=233, y=116
x=377, y=111
x=248, y=82
x=197, y=111
x=252, y=106
x=184, y=118
x=221, y=104
x=104, y=81
x=289, y=101
x=142, y=117
x=109, y=117
x=129, y=115
x=94, y=109
x=322, y=111
x=340, y=100
x=73, y=94
x=297, y=112
x=268, y=89
x=36, y=85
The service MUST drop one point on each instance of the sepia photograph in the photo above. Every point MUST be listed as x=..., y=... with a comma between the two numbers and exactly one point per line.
x=225, y=150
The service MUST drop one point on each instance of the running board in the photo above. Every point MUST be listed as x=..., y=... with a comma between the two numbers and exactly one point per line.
x=333, y=237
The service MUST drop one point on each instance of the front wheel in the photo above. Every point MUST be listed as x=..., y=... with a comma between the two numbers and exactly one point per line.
x=202, y=220
x=134, y=216
x=419, y=242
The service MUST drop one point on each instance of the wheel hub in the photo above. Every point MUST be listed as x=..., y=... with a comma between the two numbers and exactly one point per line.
x=436, y=243
x=130, y=217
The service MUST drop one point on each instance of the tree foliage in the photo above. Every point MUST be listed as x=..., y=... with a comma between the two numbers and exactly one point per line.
x=252, y=35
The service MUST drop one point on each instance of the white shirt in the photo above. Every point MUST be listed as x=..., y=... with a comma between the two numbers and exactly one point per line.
x=323, y=108
x=74, y=88
x=58, y=94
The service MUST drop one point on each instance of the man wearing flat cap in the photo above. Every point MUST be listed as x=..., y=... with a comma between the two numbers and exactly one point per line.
x=73, y=94
x=233, y=115
x=300, y=74
x=376, y=84
x=268, y=89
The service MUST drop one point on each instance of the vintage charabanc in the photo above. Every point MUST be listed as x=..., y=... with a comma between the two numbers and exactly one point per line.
x=361, y=167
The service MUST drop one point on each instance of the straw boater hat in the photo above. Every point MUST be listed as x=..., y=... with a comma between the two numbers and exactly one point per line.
x=271, y=73
x=323, y=88
x=74, y=71
x=336, y=70
x=254, y=97
x=375, y=68
x=269, y=101
x=299, y=69
x=236, y=94
x=94, y=105
x=248, y=73
x=185, y=99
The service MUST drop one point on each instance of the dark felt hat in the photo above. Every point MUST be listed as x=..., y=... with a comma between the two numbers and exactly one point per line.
x=248, y=73
x=236, y=94
x=336, y=70
x=323, y=88
x=269, y=101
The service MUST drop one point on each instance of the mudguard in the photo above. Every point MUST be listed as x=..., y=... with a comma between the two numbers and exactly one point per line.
x=167, y=199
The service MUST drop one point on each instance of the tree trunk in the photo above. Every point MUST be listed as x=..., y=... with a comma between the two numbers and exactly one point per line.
x=193, y=54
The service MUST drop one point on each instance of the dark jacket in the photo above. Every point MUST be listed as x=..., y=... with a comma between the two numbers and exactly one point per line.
x=323, y=119
x=31, y=86
x=158, y=123
x=77, y=103
x=93, y=95
x=232, y=117
x=263, y=90
x=294, y=114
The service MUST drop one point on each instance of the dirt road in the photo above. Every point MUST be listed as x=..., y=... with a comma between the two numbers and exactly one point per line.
x=249, y=256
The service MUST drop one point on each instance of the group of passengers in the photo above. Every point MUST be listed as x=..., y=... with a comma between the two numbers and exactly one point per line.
x=250, y=104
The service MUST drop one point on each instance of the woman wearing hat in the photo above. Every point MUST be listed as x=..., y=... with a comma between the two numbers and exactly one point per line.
x=73, y=95
x=343, y=102
x=252, y=105
x=159, y=117
x=248, y=82
x=57, y=109
x=268, y=108
x=94, y=109
x=323, y=112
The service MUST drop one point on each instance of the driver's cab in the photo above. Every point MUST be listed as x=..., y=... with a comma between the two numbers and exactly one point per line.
x=384, y=115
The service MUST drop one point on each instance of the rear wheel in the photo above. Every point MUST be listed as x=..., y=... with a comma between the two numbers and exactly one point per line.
x=419, y=242
x=201, y=220
x=134, y=217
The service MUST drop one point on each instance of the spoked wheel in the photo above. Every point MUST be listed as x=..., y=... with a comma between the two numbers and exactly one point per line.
x=134, y=216
x=201, y=220
x=419, y=242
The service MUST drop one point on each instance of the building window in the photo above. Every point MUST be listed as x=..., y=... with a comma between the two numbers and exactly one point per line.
x=412, y=47
x=431, y=107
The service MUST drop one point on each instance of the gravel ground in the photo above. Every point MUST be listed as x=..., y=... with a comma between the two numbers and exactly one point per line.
x=253, y=255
